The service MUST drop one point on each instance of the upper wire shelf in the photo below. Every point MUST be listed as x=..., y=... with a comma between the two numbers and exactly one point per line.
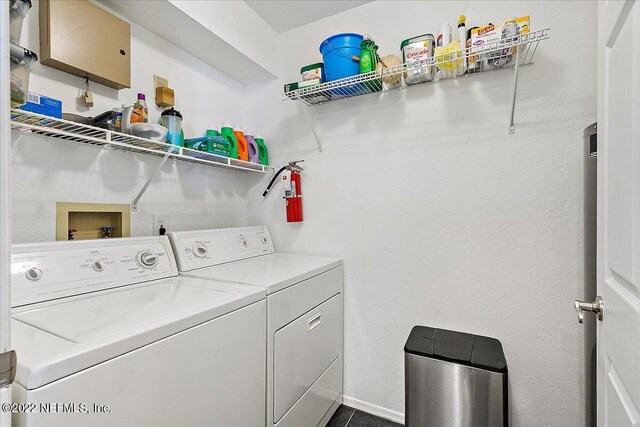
x=461, y=63
x=26, y=121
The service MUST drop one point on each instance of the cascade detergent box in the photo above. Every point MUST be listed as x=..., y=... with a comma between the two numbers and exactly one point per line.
x=493, y=35
x=44, y=105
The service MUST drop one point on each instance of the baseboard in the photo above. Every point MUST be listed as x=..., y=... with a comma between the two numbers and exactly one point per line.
x=376, y=410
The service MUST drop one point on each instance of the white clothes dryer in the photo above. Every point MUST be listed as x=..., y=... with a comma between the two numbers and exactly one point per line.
x=304, y=315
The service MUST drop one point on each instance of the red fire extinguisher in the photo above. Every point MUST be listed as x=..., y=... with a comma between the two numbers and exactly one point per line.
x=292, y=183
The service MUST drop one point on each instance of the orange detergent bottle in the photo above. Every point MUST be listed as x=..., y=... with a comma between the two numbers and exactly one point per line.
x=243, y=145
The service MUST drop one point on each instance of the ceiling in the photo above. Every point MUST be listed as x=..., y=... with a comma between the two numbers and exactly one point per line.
x=283, y=15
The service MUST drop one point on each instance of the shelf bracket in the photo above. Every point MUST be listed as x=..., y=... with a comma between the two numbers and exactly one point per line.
x=512, y=127
x=305, y=107
x=134, y=204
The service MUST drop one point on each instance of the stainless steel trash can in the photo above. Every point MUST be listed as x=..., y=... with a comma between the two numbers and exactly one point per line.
x=454, y=379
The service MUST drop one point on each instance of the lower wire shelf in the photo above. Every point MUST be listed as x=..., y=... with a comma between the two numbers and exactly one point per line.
x=65, y=130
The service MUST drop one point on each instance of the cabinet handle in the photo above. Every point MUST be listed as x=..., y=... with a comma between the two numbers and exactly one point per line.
x=314, y=321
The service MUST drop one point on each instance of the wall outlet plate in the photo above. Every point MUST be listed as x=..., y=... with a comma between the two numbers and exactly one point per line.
x=160, y=81
x=160, y=219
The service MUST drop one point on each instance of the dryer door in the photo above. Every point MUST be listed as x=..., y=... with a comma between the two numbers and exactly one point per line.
x=303, y=350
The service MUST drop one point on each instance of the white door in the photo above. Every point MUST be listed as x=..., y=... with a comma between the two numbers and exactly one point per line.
x=5, y=235
x=619, y=213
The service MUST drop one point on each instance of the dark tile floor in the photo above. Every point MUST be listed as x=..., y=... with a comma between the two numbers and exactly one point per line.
x=346, y=416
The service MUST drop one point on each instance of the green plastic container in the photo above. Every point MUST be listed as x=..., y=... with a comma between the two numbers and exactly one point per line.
x=369, y=62
x=214, y=144
x=196, y=144
x=227, y=132
x=263, y=153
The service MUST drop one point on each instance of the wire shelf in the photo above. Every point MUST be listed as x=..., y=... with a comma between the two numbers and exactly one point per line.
x=457, y=64
x=65, y=130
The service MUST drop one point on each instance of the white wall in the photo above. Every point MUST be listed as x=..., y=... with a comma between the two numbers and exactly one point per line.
x=442, y=218
x=237, y=24
x=46, y=171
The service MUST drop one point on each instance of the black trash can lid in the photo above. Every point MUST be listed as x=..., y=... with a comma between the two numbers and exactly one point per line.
x=457, y=347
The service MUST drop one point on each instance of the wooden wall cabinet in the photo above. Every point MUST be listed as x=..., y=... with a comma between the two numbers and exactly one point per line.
x=80, y=38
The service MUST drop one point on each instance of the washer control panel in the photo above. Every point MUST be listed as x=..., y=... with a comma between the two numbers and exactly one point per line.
x=206, y=248
x=41, y=272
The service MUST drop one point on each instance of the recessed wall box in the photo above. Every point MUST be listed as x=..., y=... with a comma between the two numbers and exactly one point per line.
x=85, y=220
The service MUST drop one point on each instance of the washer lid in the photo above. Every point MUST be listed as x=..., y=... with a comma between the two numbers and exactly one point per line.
x=273, y=272
x=59, y=338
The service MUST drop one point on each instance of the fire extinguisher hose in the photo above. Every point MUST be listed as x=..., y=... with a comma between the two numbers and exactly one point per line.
x=274, y=180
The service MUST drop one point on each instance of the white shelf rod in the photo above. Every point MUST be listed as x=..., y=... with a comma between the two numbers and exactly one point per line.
x=512, y=126
x=156, y=171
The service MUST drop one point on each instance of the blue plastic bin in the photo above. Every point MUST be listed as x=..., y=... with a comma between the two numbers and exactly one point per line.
x=337, y=54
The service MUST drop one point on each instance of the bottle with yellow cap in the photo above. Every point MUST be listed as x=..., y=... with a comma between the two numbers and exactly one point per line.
x=462, y=38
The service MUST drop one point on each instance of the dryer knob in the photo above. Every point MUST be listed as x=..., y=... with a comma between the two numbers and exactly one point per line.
x=97, y=266
x=264, y=240
x=200, y=250
x=148, y=259
x=34, y=274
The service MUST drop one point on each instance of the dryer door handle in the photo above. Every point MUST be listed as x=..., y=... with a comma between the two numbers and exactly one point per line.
x=314, y=321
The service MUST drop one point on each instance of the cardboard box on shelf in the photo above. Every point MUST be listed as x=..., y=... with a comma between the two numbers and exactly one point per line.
x=44, y=105
x=494, y=35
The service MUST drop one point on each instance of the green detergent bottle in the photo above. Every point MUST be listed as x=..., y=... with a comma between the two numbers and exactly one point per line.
x=366, y=56
x=263, y=154
x=369, y=62
x=227, y=132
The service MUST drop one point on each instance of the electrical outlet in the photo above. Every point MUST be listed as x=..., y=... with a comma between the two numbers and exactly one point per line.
x=160, y=219
x=160, y=81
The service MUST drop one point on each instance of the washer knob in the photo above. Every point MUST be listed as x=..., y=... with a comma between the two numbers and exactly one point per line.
x=33, y=274
x=148, y=259
x=264, y=240
x=245, y=243
x=97, y=266
x=200, y=250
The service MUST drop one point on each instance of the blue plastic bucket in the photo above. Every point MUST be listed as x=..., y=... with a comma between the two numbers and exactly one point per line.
x=337, y=54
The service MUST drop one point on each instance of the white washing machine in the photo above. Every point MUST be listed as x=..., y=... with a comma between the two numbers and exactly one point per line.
x=107, y=334
x=304, y=315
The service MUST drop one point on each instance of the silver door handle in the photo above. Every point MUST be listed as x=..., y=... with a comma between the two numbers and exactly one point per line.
x=593, y=307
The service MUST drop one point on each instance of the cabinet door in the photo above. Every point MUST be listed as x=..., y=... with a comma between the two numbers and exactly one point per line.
x=80, y=38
